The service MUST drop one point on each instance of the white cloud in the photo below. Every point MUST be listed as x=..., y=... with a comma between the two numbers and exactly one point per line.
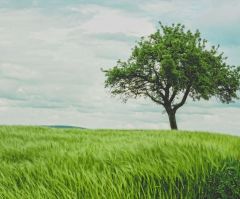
x=14, y=71
x=52, y=35
x=53, y=66
x=106, y=20
x=225, y=120
x=220, y=13
x=162, y=7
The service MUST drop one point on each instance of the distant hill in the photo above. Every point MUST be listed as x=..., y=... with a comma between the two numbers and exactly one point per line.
x=64, y=127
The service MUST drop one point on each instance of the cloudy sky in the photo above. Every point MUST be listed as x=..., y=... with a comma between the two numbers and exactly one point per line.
x=51, y=52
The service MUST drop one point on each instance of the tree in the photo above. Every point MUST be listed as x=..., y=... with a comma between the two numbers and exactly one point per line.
x=171, y=65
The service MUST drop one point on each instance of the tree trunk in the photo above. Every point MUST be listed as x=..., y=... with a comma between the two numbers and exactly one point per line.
x=172, y=120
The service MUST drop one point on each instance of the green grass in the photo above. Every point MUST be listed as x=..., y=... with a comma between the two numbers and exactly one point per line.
x=58, y=163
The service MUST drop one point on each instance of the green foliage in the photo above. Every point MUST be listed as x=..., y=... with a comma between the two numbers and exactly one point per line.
x=171, y=60
x=172, y=64
x=57, y=163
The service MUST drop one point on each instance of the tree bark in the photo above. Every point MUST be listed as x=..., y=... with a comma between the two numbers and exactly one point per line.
x=172, y=120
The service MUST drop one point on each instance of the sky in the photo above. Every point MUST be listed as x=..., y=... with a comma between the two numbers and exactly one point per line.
x=52, y=52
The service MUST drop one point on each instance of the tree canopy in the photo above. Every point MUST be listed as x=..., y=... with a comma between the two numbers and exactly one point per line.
x=171, y=65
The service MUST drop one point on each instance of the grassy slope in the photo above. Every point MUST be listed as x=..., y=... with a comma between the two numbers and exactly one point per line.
x=56, y=163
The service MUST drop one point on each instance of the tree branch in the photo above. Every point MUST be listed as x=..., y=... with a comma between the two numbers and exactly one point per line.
x=173, y=96
x=153, y=98
x=159, y=85
x=176, y=106
x=167, y=90
x=158, y=79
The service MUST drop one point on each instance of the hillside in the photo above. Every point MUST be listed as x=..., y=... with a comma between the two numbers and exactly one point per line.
x=41, y=162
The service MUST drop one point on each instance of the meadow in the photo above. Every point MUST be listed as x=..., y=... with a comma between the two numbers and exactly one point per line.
x=41, y=162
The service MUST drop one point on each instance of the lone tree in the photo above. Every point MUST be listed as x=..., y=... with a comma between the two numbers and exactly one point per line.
x=171, y=65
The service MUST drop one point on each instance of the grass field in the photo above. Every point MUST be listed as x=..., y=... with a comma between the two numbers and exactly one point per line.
x=38, y=162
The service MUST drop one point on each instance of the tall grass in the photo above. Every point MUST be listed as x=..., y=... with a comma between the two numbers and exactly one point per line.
x=55, y=163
